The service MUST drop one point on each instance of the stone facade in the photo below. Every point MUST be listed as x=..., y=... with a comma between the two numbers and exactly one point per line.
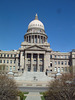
x=35, y=55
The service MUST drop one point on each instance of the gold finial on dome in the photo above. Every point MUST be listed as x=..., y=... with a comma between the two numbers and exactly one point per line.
x=36, y=17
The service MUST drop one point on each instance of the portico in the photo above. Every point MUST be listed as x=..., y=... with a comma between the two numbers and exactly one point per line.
x=34, y=62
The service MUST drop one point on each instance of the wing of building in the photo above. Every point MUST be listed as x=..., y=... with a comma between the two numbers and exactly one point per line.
x=35, y=60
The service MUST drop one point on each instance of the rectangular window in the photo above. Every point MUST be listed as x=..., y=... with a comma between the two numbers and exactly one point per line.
x=62, y=63
x=55, y=62
x=66, y=69
x=55, y=56
x=3, y=61
x=6, y=67
x=41, y=68
x=58, y=69
x=11, y=55
x=29, y=68
x=55, y=69
x=65, y=56
x=14, y=61
x=0, y=55
x=7, y=55
x=58, y=62
x=62, y=69
x=7, y=61
x=13, y=67
x=10, y=68
x=0, y=61
x=65, y=62
x=35, y=68
x=14, y=55
x=58, y=56
x=50, y=56
x=4, y=55
x=10, y=61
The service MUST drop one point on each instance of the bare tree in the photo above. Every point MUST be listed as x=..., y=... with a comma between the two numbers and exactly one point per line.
x=8, y=88
x=62, y=89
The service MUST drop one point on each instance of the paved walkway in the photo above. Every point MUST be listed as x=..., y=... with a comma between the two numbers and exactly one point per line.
x=33, y=96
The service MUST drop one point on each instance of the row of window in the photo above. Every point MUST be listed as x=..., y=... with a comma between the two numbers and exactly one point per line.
x=62, y=62
x=7, y=61
x=58, y=56
x=7, y=55
x=62, y=69
x=11, y=68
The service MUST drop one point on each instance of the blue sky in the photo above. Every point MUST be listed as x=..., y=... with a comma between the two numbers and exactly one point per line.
x=58, y=17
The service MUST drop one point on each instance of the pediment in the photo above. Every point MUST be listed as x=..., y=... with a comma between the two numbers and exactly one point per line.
x=35, y=48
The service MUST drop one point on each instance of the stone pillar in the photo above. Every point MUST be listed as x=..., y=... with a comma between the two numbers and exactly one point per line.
x=28, y=38
x=40, y=39
x=25, y=62
x=31, y=62
x=38, y=69
x=37, y=38
x=34, y=38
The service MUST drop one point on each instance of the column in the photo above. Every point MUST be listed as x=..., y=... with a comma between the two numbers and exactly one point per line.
x=40, y=39
x=37, y=38
x=28, y=38
x=38, y=69
x=34, y=38
x=25, y=62
x=31, y=62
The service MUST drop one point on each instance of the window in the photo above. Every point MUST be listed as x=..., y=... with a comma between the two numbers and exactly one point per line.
x=4, y=55
x=0, y=61
x=50, y=56
x=58, y=69
x=13, y=67
x=61, y=56
x=6, y=67
x=3, y=61
x=55, y=56
x=35, y=68
x=0, y=55
x=62, y=63
x=41, y=68
x=10, y=68
x=55, y=69
x=65, y=68
x=58, y=62
x=55, y=62
x=58, y=56
x=7, y=61
x=51, y=64
x=68, y=63
x=65, y=62
x=14, y=61
x=10, y=61
x=62, y=69
x=7, y=55
x=65, y=56
x=32, y=39
x=29, y=68
x=14, y=55
x=11, y=55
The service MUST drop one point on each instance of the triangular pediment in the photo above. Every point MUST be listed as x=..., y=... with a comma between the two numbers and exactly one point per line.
x=35, y=48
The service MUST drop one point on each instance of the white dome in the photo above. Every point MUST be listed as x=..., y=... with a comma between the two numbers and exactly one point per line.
x=36, y=24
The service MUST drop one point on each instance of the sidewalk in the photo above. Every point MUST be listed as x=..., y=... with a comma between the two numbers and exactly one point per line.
x=33, y=96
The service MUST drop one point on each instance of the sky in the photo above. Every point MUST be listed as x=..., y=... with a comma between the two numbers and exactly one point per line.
x=58, y=17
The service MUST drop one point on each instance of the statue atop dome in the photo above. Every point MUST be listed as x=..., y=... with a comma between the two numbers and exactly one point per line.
x=36, y=17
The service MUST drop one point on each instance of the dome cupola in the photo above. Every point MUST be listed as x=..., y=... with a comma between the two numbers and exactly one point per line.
x=36, y=24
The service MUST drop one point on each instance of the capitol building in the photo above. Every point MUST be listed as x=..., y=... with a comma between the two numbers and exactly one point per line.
x=35, y=61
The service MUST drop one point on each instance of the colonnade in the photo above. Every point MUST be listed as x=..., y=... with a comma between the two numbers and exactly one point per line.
x=35, y=39
x=31, y=64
